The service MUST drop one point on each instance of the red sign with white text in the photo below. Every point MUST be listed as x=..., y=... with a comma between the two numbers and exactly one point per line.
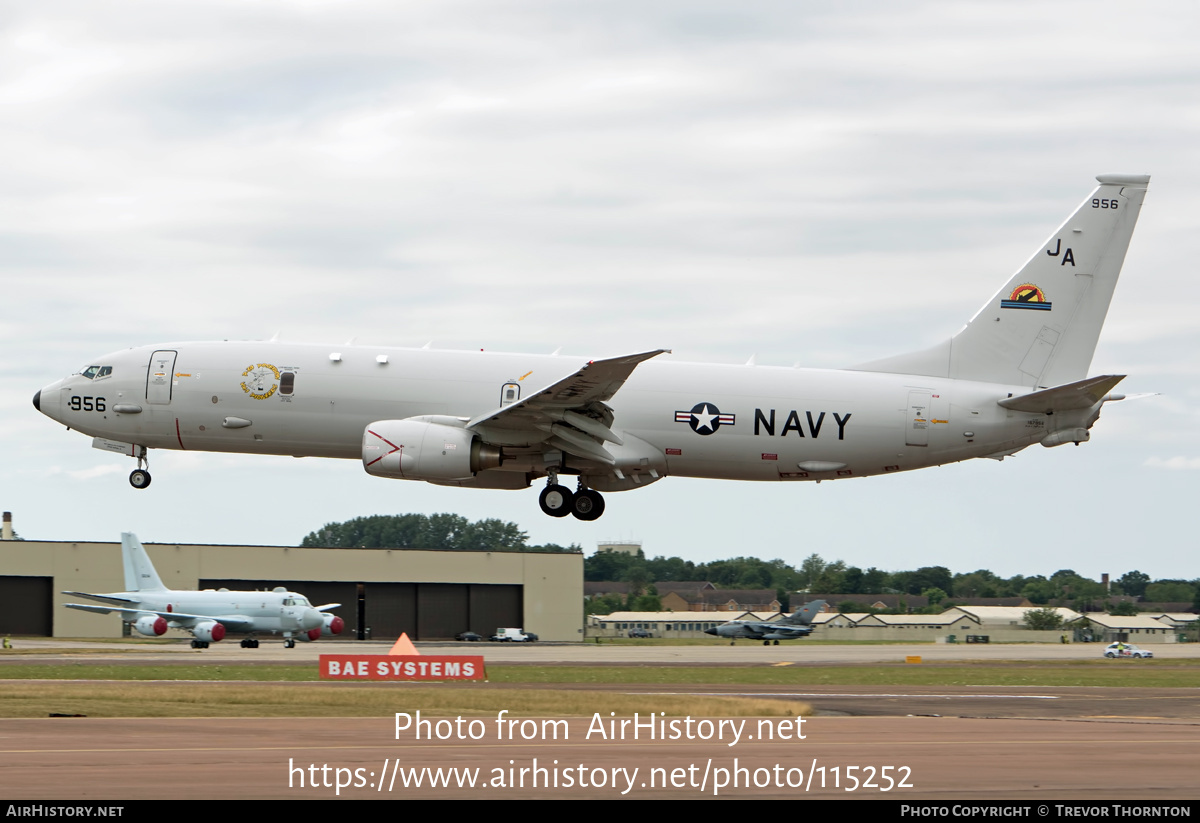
x=401, y=667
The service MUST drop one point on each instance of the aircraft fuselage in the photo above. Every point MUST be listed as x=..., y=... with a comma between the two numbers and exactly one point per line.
x=687, y=419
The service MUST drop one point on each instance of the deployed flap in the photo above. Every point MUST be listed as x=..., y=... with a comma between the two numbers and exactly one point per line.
x=1080, y=395
x=577, y=401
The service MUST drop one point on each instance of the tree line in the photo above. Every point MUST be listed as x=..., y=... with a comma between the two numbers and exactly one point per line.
x=442, y=532
x=815, y=574
x=452, y=532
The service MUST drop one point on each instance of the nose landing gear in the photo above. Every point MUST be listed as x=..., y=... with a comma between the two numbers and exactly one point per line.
x=139, y=478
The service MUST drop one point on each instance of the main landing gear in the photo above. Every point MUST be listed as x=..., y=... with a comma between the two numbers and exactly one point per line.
x=559, y=501
x=250, y=643
x=139, y=478
x=199, y=644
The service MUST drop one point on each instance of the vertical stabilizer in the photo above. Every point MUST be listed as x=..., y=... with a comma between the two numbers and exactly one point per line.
x=1041, y=328
x=805, y=616
x=140, y=575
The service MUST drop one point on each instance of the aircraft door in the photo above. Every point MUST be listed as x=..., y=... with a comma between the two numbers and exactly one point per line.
x=917, y=422
x=509, y=394
x=160, y=375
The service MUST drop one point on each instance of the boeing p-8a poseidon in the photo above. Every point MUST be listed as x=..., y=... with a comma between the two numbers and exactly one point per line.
x=1015, y=375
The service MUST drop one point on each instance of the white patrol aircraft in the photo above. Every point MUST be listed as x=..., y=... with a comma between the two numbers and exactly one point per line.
x=792, y=627
x=151, y=608
x=1015, y=375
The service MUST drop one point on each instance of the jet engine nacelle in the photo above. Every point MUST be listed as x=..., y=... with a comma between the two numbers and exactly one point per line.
x=333, y=624
x=151, y=625
x=210, y=631
x=420, y=450
x=1058, y=438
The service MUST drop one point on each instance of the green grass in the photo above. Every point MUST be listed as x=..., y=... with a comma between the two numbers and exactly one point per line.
x=348, y=700
x=1117, y=673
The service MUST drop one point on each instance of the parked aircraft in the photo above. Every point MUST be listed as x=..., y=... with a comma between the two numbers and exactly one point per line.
x=792, y=627
x=151, y=608
x=1015, y=375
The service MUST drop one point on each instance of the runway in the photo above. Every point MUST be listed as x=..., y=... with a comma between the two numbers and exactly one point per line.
x=839, y=757
x=930, y=742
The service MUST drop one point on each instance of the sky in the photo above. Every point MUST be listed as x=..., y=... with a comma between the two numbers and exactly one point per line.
x=802, y=182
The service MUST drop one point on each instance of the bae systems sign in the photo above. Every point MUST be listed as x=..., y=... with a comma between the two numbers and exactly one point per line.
x=401, y=667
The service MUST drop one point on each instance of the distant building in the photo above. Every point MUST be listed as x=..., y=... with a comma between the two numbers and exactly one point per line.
x=620, y=546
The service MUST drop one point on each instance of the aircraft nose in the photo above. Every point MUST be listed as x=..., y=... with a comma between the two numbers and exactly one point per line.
x=37, y=400
x=711, y=631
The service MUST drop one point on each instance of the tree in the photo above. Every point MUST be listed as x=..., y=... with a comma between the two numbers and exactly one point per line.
x=1046, y=619
x=446, y=532
x=1122, y=609
x=1134, y=583
x=935, y=595
x=1167, y=591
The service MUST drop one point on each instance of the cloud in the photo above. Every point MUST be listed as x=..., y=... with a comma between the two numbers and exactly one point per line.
x=1173, y=463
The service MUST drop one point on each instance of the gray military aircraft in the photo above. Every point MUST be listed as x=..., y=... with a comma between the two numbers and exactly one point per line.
x=151, y=608
x=1015, y=375
x=792, y=627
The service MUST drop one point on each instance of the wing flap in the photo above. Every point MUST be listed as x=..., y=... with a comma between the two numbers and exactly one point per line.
x=569, y=414
x=596, y=381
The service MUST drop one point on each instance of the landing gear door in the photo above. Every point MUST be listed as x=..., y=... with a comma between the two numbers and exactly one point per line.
x=159, y=377
x=917, y=423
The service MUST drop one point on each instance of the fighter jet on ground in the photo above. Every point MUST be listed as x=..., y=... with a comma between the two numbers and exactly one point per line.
x=1015, y=375
x=151, y=608
x=792, y=627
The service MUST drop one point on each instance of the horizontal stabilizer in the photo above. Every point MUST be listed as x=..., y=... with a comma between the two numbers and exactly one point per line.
x=1082, y=394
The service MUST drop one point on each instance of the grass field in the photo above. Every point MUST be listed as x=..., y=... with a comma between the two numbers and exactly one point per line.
x=348, y=700
x=1117, y=673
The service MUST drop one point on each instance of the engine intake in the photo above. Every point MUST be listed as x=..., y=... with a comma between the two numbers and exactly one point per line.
x=151, y=625
x=210, y=631
x=420, y=450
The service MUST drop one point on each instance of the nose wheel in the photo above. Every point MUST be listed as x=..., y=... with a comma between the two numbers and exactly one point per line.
x=139, y=478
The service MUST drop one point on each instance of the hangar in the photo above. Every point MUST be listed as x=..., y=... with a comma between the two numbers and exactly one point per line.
x=431, y=595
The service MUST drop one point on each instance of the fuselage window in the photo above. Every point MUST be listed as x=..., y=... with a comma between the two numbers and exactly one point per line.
x=287, y=382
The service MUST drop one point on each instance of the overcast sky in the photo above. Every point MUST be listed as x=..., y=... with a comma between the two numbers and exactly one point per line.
x=807, y=182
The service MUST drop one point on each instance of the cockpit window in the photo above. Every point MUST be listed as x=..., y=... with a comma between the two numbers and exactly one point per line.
x=105, y=371
x=90, y=372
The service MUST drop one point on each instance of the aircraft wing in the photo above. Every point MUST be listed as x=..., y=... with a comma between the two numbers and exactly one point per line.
x=104, y=598
x=570, y=414
x=179, y=620
x=786, y=632
x=327, y=607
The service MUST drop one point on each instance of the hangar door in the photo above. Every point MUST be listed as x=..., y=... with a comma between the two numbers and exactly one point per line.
x=439, y=611
x=28, y=606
